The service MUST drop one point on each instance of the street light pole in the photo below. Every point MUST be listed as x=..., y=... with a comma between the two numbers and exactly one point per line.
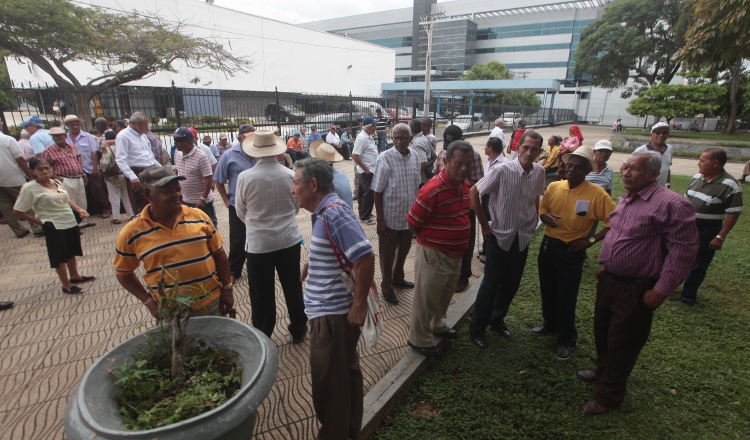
x=428, y=62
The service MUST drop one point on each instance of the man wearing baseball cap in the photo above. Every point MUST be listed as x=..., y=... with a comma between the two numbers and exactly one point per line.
x=365, y=155
x=193, y=164
x=88, y=146
x=39, y=136
x=178, y=241
x=659, y=135
x=333, y=139
x=569, y=209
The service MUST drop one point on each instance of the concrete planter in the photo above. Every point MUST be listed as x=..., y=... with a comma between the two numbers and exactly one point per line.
x=91, y=410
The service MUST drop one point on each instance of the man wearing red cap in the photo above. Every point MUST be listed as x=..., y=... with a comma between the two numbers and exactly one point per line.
x=333, y=139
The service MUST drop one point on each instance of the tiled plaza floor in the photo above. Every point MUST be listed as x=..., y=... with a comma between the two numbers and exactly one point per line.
x=49, y=339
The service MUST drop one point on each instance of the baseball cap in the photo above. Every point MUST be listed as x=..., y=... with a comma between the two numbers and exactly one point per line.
x=522, y=123
x=121, y=123
x=182, y=132
x=659, y=125
x=296, y=133
x=157, y=176
x=603, y=145
x=368, y=120
x=32, y=120
x=195, y=132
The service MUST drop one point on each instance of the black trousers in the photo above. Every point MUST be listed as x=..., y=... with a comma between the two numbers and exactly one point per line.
x=365, y=196
x=469, y=252
x=261, y=279
x=236, y=243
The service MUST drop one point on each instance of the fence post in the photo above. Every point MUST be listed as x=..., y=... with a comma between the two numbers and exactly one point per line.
x=350, y=112
x=177, y=117
x=2, y=119
x=278, y=118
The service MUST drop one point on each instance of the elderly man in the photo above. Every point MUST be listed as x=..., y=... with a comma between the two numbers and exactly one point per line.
x=717, y=200
x=421, y=143
x=569, y=209
x=395, y=185
x=314, y=135
x=347, y=141
x=340, y=182
x=102, y=125
x=156, y=146
x=498, y=132
x=119, y=125
x=294, y=147
x=333, y=139
x=658, y=144
x=133, y=155
x=242, y=132
x=40, y=137
x=365, y=155
x=25, y=145
x=335, y=314
x=381, y=128
x=208, y=141
x=178, y=240
x=87, y=145
x=223, y=145
x=426, y=123
x=440, y=219
x=647, y=253
x=193, y=164
x=305, y=138
x=495, y=157
x=13, y=175
x=67, y=166
x=514, y=190
x=265, y=204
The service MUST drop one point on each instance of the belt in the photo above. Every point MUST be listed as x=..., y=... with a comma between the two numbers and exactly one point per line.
x=555, y=240
x=70, y=177
x=651, y=281
x=137, y=170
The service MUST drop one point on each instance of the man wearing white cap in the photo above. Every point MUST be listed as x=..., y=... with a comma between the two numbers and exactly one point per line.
x=569, y=209
x=88, y=146
x=341, y=185
x=223, y=144
x=659, y=135
x=265, y=204
x=602, y=175
x=365, y=155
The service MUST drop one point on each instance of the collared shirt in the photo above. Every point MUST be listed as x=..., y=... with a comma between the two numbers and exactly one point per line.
x=25, y=146
x=605, y=178
x=10, y=174
x=499, y=160
x=265, y=204
x=64, y=163
x=209, y=154
x=442, y=212
x=41, y=140
x=223, y=148
x=342, y=187
x=325, y=291
x=133, y=150
x=185, y=251
x=305, y=141
x=155, y=145
x=398, y=181
x=214, y=150
x=652, y=235
x=513, y=195
x=195, y=166
x=421, y=144
x=294, y=145
x=433, y=140
x=333, y=139
x=382, y=124
x=86, y=144
x=316, y=136
x=49, y=205
x=477, y=171
x=715, y=199
x=666, y=160
x=569, y=203
x=230, y=165
x=498, y=132
x=367, y=151
x=348, y=139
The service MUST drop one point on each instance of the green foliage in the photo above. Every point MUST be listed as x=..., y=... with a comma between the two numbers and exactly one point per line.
x=15, y=130
x=520, y=99
x=673, y=100
x=633, y=40
x=491, y=71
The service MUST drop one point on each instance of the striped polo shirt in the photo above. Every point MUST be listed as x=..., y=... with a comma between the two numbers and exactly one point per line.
x=185, y=252
x=442, y=213
x=604, y=179
x=195, y=166
x=325, y=291
x=715, y=199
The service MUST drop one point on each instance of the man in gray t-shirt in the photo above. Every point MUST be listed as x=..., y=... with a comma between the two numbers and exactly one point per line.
x=659, y=135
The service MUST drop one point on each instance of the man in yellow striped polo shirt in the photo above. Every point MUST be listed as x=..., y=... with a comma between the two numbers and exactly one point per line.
x=179, y=239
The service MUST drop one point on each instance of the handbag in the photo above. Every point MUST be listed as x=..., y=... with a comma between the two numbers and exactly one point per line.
x=112, y=169
x=373, y=326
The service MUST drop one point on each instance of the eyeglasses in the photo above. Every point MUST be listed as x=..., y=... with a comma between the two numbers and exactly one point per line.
x=661, y=133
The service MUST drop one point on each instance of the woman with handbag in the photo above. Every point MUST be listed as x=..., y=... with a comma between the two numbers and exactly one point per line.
x=117, y=187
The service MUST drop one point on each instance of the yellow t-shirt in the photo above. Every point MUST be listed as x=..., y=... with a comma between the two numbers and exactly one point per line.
x=586, y=197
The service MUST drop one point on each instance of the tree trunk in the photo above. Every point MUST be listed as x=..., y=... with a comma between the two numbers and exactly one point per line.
x=178, y=324
x=82, y=105
x=733, y=95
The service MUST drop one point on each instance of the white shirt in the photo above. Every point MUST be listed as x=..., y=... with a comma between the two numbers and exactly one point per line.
x=207, y=150
x=666, y=161
x=333, y=139
x=367, y=151
x=133, y=150
x=10, y=174
x=499, y=160
x=498, y=132
x=266, y=206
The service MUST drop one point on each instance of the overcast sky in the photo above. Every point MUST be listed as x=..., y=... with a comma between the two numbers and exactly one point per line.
x=301, y=11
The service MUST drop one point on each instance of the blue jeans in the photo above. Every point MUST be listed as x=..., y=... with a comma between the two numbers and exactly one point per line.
x=208, y=209
x=502, y=277
x=560, y=273
x=382, y=142
x=698, y=272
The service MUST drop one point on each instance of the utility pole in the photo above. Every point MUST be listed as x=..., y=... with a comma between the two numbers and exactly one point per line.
x=428, y=23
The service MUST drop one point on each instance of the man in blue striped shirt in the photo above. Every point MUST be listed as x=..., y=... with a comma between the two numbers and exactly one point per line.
x=335, y=315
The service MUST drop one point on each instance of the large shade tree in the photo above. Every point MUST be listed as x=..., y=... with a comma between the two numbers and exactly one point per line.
x=719, y=41
x=677, y=100
x=495, y=70
x=123, y=47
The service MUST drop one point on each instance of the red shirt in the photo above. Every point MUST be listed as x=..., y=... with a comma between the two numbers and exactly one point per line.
x=64, y=164
x=442, y=212
x=517, y=139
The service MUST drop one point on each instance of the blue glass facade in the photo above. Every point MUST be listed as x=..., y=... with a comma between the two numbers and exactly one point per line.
x=392, y=42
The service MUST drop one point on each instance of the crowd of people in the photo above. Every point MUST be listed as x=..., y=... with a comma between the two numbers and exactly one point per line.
x=652, y=240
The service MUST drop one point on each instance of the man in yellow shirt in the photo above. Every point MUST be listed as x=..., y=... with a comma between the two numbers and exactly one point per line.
x=569, y=209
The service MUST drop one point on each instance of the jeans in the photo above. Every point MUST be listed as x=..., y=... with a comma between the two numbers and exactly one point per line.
x=297, y=156
x=237, y=237
x=697, y=273
x=208, y=208
x=560, y=273
x=382, y=142
x=502, y=276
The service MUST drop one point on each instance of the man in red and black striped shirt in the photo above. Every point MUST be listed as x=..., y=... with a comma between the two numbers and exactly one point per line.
x=440, y=218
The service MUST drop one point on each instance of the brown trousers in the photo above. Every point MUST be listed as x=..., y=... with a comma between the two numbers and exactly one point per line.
x=96, y=195
x=394, y=248
x=8, y=196
x=336, y=377
x=622, y=323
x=136, y=199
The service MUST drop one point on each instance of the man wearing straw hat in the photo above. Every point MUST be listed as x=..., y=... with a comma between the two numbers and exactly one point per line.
x=341, y=185
x=273, y=240
x=569, y=209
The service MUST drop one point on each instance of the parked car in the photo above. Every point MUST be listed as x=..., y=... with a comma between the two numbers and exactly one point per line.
x=341, y=120
x=467, y=123
x=367, y=108
x=403, y=114
x=511, y=119
x=286, y=112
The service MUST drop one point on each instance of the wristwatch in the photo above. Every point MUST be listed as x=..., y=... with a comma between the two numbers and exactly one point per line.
x=592, y=240
x=204, y=199
x=229, y=286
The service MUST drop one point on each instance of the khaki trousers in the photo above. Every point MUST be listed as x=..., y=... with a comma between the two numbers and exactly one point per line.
x=394, y=248
x=8, y=196
x=436, y=276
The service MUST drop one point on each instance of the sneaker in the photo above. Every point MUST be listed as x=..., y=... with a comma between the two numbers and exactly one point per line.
x=541, y=330
x=564, y=353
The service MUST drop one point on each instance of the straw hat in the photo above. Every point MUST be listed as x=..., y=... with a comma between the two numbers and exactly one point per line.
x=56, y=130
x=263, y=143
x=582, y=151
x=325, y=151
x=70, y=118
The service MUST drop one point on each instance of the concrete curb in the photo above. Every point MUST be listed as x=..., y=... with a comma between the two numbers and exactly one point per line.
x=389, y=391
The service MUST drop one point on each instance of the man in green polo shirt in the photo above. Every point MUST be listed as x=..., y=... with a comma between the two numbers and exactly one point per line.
x=715, y=196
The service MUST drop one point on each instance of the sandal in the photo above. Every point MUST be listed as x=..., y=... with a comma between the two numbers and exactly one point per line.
x=105, y=214
x=116, y=222
x=73, y=290
x=82, y=280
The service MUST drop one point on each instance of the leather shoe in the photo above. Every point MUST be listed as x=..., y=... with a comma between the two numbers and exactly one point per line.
x=541, y=330
x=430, y=351
x=503, y=331
x=462, y=284
x=483, y=259
x=480, y=342
x=593, y=408
x=404, y=284
x=589, y=376
x=564, y=353
x=451, y=333
x=391, y=298
x=5, y=305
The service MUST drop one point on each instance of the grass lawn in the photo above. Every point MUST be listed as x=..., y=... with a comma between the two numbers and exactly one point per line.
x=692, y=379
x=706, y=135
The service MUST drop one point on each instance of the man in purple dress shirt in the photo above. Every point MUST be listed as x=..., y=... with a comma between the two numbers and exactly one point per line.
x=647, y=253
